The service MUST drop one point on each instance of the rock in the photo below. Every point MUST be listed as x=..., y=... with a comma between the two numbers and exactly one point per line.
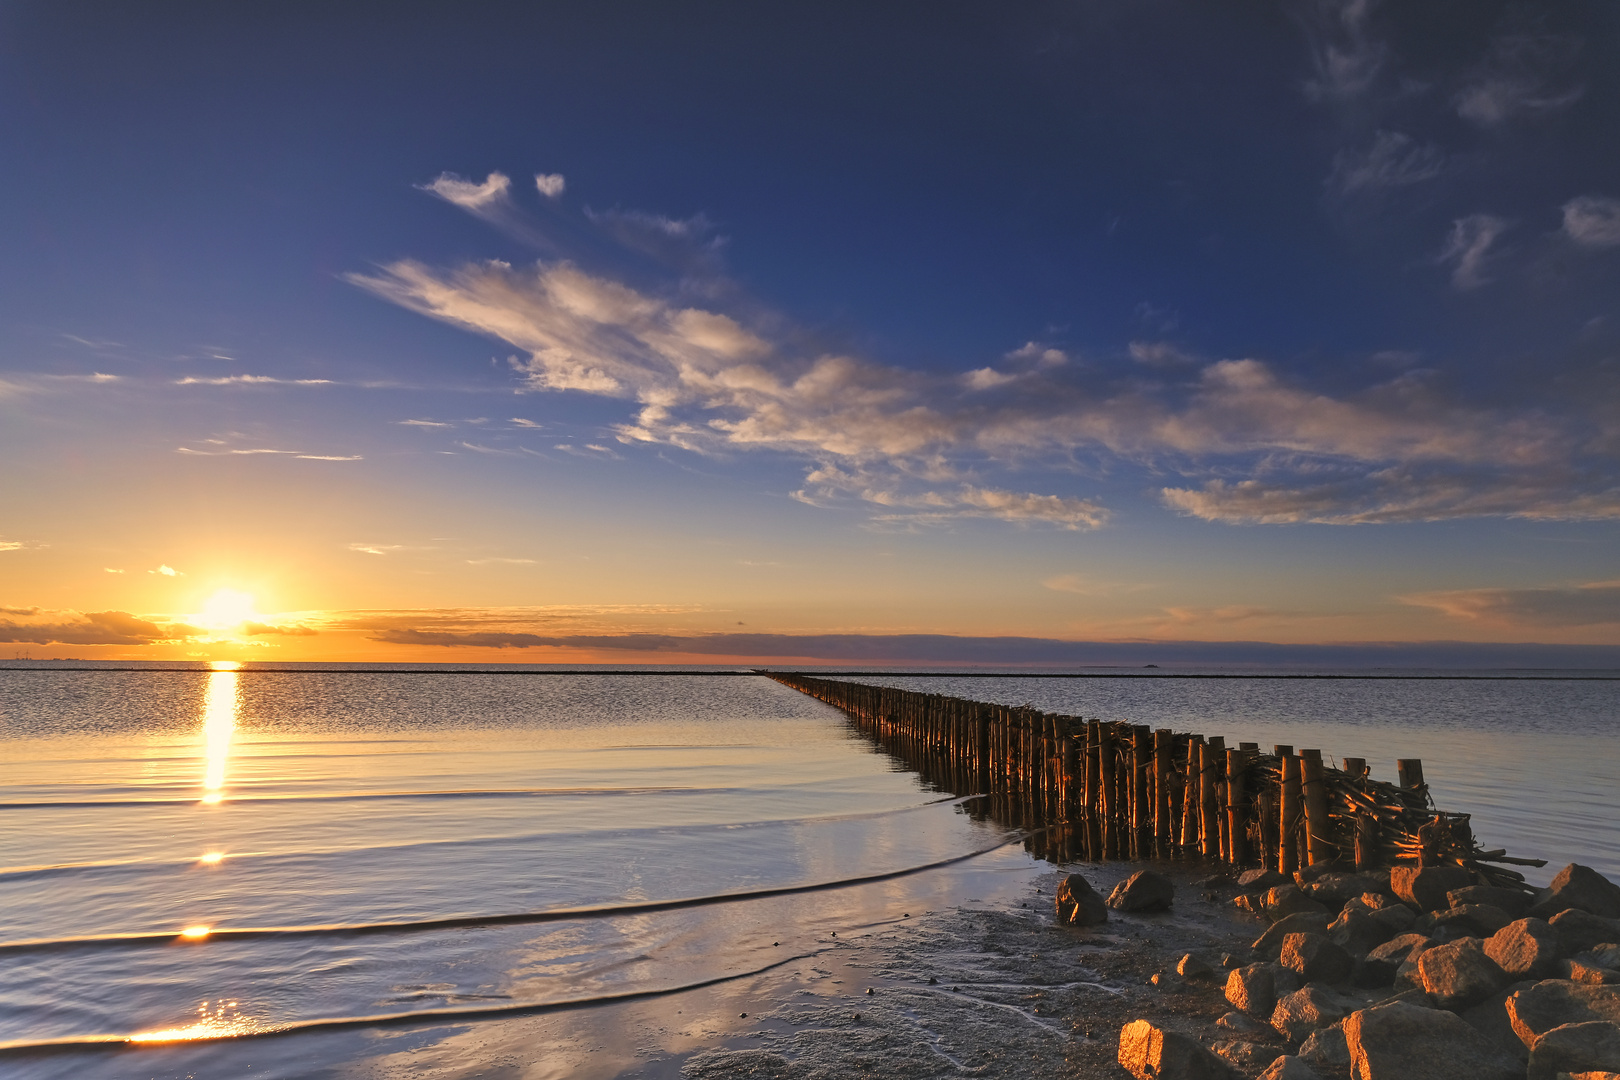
x=1606, y=955
x=1581, y=887
x=1238, y=1024
x=1243, y=1055
x=1143, y=891
x=1303, y=922
x=1527, y=949
x=1259, y=881
x=1336, y=888
x=1589, y=1047
x=1412, y=996
x=1398, y=917
x=1314, y=958
x=1078, y=903
x=1578, y=970
x=1252, y=990
x=1470, y=920
x=1305, y=1010
x=1357, y=932
x=1190, y=967
x=1513, y=901
x=1285, y=900
x=1553, y=1003
x=1289, y=1068
x=1151, y=1053
x=1326, y=1048
x=1459, y=974
x=1401, y=1041
x=1580, y=930
x=1425, y=887
x=1490, y=1019
x=1382, y=966
x=1254, y=905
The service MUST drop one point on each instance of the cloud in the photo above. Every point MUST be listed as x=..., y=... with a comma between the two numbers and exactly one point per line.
x=257, y=629
x=916, y=448
x=250, y=380
x=110, y=570
x=496, y=561
x=1467, y=249
x=687, y=245
x=168, y=571
x=90, y=628
x=468, y=195
x=376, y=549
x=1593, y=604
x=520, y=422
x=1593, y=220
x=330, y=457
x=551, y=185
x=1393, y=160
x=10, y=545
x=1088, y=585
x=1345, y=59
x=424, y=423
x=1523, y=77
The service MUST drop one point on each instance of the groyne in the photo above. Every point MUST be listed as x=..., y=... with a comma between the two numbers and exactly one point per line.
x=1097, y=789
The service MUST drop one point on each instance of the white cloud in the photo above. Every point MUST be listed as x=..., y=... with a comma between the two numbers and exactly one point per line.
x=424, y=423
x=1347, y=60
x=495, y=561
x=1523, y=77
x=167, y=571
x=468, y=195
x=1593, y=220
x=110, y=570
x=1160, y=354
x=1593, y=604
x=1393, y=160
x=1468, y=247
x=330, y=457
x=551, y=185
x=520, y=422
x=376, y=549
x=10, y=545
x=914, y=447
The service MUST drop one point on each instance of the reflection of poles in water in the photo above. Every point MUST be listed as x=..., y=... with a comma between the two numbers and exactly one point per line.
x=219, y=722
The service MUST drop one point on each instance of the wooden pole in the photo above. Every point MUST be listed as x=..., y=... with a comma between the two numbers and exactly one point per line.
x=1141, y=812
x=1288, y=816
x=1209, y=832
x=1237, y=818
x=1193, y=799
x=1355, y=767
x=1319, y=844
x=1162, y=828
x=1366, y=841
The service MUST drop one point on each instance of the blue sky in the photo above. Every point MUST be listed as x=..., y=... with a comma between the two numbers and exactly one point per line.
x=1279, y=322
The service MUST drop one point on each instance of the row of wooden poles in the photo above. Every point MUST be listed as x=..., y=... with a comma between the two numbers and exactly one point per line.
x=1122, y=790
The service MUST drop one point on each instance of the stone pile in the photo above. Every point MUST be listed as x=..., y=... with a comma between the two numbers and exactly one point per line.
x=1415, y=972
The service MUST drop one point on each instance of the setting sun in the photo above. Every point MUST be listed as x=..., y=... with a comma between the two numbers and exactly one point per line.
x=227, y=609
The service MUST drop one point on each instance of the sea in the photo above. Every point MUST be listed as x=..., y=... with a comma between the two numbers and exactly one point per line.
x=223, y=871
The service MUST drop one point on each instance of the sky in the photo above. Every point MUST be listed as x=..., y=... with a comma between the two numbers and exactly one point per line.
x=947, y=332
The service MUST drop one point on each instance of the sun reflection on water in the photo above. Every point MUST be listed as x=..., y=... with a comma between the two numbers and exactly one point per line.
x=217, y=1021
x=219, y=722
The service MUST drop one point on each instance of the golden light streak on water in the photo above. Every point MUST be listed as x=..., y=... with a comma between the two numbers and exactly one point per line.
x=211, y=857
x=195, y=933
x=219, y=722
x=222, y=1021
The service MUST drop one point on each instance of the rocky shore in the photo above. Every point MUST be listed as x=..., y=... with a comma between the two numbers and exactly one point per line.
x=1415, y=973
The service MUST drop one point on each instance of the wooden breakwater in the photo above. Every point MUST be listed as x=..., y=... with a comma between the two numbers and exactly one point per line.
x=1099, y=789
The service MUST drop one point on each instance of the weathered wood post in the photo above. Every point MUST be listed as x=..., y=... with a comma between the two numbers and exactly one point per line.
x=1190, y=812
x=1289, y=815
x=1209, y=830
x=1141, y=812
x=1162, y=828
x=1237, y=818
x=1319, y=843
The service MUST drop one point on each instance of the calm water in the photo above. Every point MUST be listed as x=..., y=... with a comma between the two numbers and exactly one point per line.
x=346, y=813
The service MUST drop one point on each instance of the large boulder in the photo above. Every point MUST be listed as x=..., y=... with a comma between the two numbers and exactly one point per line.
x=1459, y=974
x=1336, y=888
x=1259, y=881
x=1401, y=1041
x=1301, y=922
x=1527, y=949
x=1302, y=1012
x=1553, y=1003
x=1151, y=1053
x=1425, y=887
x=1398, y=917
x=1576, y=1048
x=1288, y=1067
x=1577, y=886
x=1282, y=901
x=1252, y=990
x=1357, y=932
x=1325, y=1048
x=1244, y=1056
x=1490, y=1018
x=1143, y=891
x=1470, y=920
x=1513, y=901
x=1314, y=958
x=1078, y=904
x=1580, y=930
x=1385, y=964
x=1580, y=969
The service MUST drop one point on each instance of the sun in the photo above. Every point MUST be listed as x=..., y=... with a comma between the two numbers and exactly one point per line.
x=228, y=609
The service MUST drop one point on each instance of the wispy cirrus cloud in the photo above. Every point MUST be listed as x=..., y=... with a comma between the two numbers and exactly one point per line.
x=1593, y=221
x=1468, y=248
x=249, y=380
x=1393, y=160
x=1592, y=604
x=1346, y=59
x=468, y=195
x=1523, y=77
